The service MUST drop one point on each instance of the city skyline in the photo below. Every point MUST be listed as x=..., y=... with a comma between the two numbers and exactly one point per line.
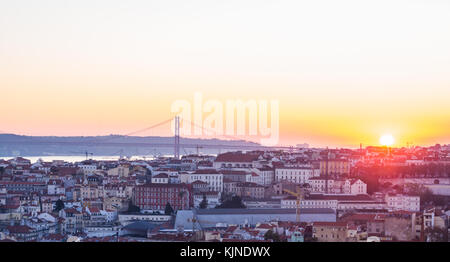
x=344, y=73
x=201, y=128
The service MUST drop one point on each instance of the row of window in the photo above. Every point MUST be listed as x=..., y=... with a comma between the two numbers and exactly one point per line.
x=206, y=177
x=157, y=189
x=238, y=165
x=291, y=172
x=158, y=201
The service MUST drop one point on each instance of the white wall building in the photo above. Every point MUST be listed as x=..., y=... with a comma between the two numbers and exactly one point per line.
x=344, y=186
x=161, y=178
x=295, y=175
x=291, y=202
x=210, y=176
x=266, y=176
x=403, y=202
x=88, y=169
x=358, y=187
x=336, y=202
x=213, y=199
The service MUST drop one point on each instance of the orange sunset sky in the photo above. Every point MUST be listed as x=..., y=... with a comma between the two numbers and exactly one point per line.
x=344, y=72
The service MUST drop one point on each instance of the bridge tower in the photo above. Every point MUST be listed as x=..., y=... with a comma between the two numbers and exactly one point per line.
x=177, y=138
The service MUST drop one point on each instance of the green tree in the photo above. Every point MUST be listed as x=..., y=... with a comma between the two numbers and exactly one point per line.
x=437, y=234
x=168, y=210
x=387, y=185
x=398, y=188
x=270, y=235
x=234, y=202
x=132, y=208
x=426, y=196
x=204, y=203
x=59, y=205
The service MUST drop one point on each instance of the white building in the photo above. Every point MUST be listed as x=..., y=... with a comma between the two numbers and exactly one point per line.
x=291, y=202
x=127, y=218
x=161, y=178
x=336, y=202
x=255, y=178
x=299, y=175
x=403, y=202
x=213, y=199
x=338, y=186
x=88, y=169
x=55, y=187
x=110, y=215
x=266, y=176
x=210, y=176
x=168, y=171
x=357, y=187
x=360, y=205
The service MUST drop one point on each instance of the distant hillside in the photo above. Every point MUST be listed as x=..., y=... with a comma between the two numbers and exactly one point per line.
x=15, y=145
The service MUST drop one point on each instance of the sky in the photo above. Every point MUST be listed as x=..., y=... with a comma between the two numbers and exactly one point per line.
x=344, y=72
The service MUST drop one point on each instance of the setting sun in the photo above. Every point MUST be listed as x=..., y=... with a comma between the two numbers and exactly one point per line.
x=387, y=140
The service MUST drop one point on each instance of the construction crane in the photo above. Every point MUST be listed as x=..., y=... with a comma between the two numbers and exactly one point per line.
x=85, y=152
x=299, y=194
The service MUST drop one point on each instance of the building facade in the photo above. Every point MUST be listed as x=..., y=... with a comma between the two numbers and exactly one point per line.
x=156, y=196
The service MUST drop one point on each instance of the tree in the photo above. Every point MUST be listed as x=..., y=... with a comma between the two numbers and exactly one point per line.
x=270, y=235
x=387, y=185
x=168, y=210
x=224, y=197
x=59, y=205
x=234, y=202
x=426, y=196
x=398, y=188
x=311, y=239
x=132, y=208
x=204, y=203
x=437, y=234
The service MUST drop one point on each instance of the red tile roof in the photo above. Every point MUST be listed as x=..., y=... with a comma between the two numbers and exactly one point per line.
x=330, y=224
x=243, y=240
x=205, y=171
x=236, y=157
x=19, y=229
x=162, y=175
x=56, y=237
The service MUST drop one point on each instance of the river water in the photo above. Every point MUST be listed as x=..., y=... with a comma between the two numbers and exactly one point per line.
x=72, y=159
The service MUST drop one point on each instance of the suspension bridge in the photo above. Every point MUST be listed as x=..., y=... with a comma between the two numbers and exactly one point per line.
x=210, y=141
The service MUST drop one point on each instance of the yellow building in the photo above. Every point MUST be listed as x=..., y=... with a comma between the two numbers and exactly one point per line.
x=330, y=231
x=335, y=167
x=91, y=192
x=120, y=171
x=114, y=203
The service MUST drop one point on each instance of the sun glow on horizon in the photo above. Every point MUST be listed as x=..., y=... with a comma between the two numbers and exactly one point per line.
x=387, y=140
x=119, y=69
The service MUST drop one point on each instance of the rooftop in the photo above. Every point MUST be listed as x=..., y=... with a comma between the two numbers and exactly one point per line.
x=236, y=157
x=244, y=211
